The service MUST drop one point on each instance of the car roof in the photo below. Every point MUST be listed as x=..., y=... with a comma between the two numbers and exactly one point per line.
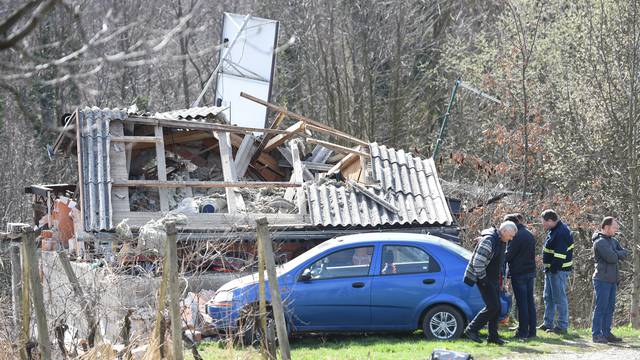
x=384, y=236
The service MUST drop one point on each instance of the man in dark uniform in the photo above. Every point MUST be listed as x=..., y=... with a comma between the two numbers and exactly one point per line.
x=484, y=270
x=521, y=260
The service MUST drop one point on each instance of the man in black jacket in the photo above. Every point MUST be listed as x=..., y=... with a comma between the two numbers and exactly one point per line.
x=484, y=270
x=557, y=258
x=607, y=253
x=520, y=258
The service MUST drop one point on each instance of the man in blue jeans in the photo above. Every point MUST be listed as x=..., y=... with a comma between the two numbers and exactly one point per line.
x=557, y=258
x=607, y=253
x=521, y=259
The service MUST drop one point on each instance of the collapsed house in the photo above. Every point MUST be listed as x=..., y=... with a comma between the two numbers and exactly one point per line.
x=312, y=182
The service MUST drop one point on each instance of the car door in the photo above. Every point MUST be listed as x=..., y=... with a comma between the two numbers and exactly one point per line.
x=406, y=276
x=338, y=294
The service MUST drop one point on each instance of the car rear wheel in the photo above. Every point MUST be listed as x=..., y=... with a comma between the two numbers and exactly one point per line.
x=442, y=322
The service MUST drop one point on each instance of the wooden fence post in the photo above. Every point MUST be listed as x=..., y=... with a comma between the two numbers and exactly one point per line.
x=174, y=305
x=16, y=289
x=262, y=310
x=29, y=250
x=262, y=232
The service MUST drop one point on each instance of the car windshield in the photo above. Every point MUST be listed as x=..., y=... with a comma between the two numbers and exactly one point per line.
x=466, y=254
x=302, y=258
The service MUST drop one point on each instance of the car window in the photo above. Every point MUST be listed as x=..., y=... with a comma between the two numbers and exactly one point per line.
x=404, y=259
x=466, y=254
x=344, y=263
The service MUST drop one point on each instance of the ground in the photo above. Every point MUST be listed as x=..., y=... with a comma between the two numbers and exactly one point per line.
x=576, y=345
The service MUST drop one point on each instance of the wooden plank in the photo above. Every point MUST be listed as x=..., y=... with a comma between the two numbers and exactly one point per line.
x=157, y=336
x=204, y=184
x=371, y=195
x=245, y=154
x=235, y=203
x=301, y=201
x=346, y=161
x=267, y=136
x=266, y=165
x=173, y=287
x=162, y=168
x=262, y=294
x=16, y=290
x=262, y=232
x=315, y=124
x=37, y=296
x=118, y=169
x=94, y=336
x=197, y=125
x=335, y=147
x=26, y=304
x=280, y=139
x=286, y=153
x=134, y=139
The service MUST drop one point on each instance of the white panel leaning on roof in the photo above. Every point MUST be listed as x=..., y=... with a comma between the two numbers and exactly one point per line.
x=247, y=63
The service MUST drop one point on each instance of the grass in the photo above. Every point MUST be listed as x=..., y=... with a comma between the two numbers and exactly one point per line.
x=414, y=346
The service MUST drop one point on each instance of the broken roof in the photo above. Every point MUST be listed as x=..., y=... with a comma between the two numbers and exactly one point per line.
x=401, y=188
x=408, y=184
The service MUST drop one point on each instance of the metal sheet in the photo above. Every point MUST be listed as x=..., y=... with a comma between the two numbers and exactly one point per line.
x=196, y=113
x=408, y=182
x=93, y=150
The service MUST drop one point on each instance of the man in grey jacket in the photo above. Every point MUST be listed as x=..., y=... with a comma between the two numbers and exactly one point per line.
x=607, y=253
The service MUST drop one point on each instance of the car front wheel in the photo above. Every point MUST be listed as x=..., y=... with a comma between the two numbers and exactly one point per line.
x=442, y=322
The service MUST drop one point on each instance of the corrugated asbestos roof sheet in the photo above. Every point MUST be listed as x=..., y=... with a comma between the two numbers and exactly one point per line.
x=192, y=113
x=408, y=182
x=94, y=145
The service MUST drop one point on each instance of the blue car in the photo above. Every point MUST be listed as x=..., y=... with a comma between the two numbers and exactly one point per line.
x=364, y=283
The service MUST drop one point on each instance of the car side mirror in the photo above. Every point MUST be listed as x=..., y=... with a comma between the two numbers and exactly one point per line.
x=306, y=275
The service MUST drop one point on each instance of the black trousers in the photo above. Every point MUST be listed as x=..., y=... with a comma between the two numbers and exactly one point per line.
x=490, y=314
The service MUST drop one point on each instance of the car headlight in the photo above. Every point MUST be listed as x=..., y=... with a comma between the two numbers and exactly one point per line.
x=223, y=298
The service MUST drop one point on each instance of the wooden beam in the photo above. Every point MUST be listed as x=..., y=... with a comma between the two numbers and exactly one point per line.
x=135, y=139
x=245, y=154
x=197, y=125
x=346, y=161
x=203, y=184
x=267, y=136
x=371, y=195
x=235, y=203
x=335, y=147
x=308, y=121
x=280, y=139
x=336, y=133
x=162, y=168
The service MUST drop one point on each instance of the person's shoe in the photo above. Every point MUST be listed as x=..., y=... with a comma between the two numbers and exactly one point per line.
x=600, y=340
x=543, y=327
x=613, y=339
x=558, y=331
x=472, y=335
x=497, y=341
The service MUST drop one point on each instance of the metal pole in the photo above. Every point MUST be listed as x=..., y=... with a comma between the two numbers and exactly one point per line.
x=222, y=59
x=443, y=127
